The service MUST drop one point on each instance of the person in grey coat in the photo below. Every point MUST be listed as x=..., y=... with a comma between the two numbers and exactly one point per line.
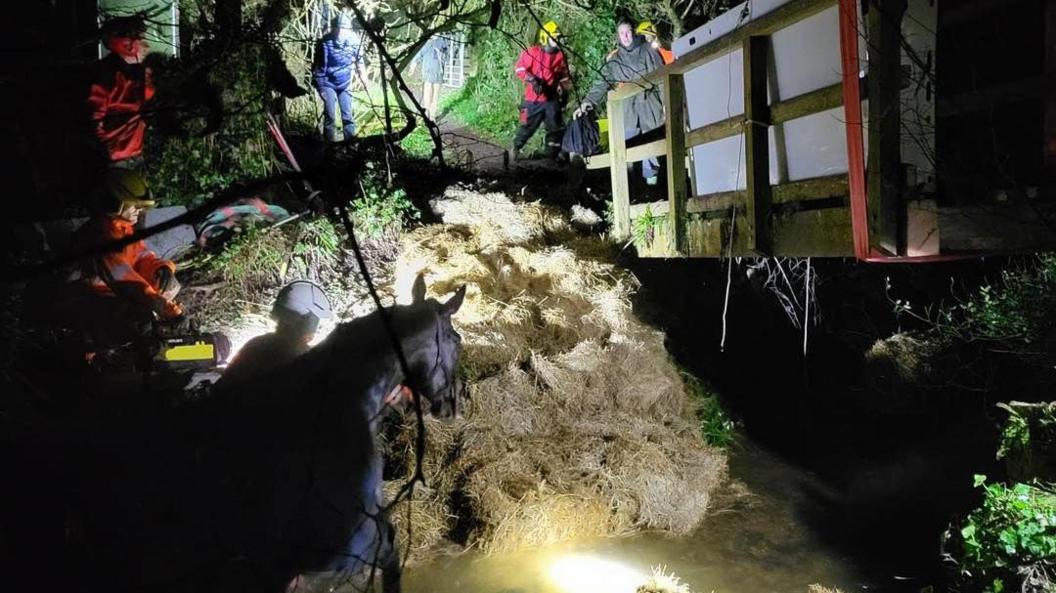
x=433, y=56
x=633, y=59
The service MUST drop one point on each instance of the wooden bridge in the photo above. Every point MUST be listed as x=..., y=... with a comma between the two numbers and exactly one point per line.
x=867, y=212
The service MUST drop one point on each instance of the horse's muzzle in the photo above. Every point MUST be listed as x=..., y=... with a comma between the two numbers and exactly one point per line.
x=445, y=407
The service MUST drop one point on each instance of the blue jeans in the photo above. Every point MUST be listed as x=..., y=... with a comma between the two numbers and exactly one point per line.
x=331, y=100
x=650, y=167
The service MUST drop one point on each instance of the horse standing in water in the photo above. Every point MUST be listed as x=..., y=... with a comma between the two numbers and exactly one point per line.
x=268, y=479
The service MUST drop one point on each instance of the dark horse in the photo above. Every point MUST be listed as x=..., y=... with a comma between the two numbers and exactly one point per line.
x=268, y=479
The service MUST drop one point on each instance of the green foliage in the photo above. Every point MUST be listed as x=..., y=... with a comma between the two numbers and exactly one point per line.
x=715, y=425
x=1015, y=436
x=254, y=258
x=1013, y=529
x=1017, y=311
x=381, y=207
x=188, y=170
x=1028, y=441
x=647, y=226
x=490, y=100
x=418, y=143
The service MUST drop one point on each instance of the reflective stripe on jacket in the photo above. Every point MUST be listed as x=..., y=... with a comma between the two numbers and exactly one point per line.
x=116, y=100
x=129, y=272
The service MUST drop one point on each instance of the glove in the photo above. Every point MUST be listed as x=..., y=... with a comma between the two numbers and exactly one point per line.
x=537, y=85
x=168, y=285
x=582, y=110
x=166, y=309
x=562, y=97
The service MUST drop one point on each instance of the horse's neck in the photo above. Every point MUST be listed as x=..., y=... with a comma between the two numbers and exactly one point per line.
x=366, y=364
x=373, y=400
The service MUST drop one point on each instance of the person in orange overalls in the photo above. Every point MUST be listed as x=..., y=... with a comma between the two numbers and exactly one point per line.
x=120, y=91
x=133, y=273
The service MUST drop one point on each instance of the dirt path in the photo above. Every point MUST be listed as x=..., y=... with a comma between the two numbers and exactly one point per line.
x=467, y=149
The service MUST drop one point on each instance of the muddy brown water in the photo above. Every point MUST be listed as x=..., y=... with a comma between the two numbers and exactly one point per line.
x=757, y=540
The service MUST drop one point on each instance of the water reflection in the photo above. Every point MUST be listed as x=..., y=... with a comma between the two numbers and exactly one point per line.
x=755, y=541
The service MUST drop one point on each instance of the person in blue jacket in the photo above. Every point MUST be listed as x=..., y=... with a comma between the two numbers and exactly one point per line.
x=338, y=57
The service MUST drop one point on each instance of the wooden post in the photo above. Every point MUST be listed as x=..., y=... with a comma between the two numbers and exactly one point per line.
x=884, y=169
x=757, y=152
x=674, y=104
x=621, y=197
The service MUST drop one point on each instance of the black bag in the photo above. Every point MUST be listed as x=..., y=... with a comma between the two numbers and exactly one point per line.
x=582, y=136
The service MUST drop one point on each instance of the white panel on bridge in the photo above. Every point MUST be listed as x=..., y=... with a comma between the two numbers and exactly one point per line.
x=804, y=57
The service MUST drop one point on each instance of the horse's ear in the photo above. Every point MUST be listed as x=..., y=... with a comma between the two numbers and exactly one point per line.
x=418, y=290
x=454, y=303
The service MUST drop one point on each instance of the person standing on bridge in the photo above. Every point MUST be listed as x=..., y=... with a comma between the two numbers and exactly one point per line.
x=644, y=112
x=544, y=70
x=648, y=30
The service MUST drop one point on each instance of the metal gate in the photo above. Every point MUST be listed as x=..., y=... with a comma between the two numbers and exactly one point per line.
x=455, y=69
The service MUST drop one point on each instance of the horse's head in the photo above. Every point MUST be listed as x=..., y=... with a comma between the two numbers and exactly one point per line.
x=434, y=360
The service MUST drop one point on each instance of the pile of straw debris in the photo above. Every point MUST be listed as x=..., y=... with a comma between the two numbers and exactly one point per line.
x=577, y=423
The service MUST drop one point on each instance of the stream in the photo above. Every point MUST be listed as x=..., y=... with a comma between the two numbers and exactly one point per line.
x=754, y=541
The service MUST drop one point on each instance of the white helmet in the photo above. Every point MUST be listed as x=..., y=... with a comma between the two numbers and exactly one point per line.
x=302, y=301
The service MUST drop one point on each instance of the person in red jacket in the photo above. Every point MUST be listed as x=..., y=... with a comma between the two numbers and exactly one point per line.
x=544, y=70
x=120, y=91
x=133, y=273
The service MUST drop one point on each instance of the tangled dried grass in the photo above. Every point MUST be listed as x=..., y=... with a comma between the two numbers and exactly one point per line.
x=662, y=581
x=577, y=423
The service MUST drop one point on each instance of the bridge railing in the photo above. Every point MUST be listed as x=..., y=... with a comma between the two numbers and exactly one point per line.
x=825, y=228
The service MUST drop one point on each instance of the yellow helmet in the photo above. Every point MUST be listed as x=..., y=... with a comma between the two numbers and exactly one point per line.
x=549, y=30
x=127, y=187
x=646, y=28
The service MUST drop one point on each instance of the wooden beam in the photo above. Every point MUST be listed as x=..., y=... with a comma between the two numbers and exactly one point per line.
x=823, y=99
x=677, y=192
x=803, y=191
x=757, y=144
x=647, y=151
x=779, y=18
x=598, y=161
x=817, y=233
x=884, y=169
x=621, y=197
x=634, y=154
x=725, y=128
